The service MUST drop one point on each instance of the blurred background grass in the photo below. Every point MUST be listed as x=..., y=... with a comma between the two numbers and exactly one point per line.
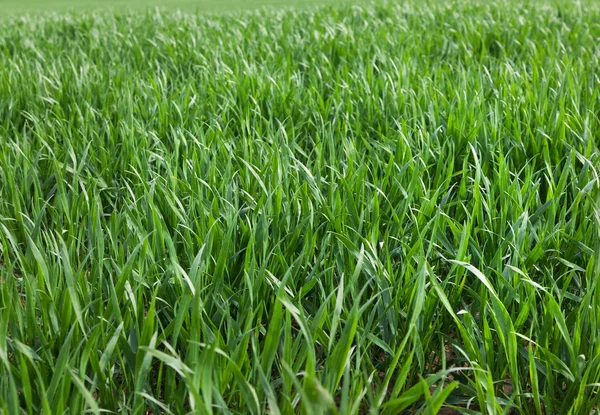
x=27, y=6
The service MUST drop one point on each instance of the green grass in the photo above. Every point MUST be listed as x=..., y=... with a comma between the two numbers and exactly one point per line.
x=15, y=7
x=333, y=210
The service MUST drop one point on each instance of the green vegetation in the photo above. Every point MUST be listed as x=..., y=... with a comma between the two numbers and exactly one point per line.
x=45, y=6
x=333, y=210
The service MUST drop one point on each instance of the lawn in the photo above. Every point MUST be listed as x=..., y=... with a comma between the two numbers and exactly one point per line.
x=15, y=7
x=385, y=209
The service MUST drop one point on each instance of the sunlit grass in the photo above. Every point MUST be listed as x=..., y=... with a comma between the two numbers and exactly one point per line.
x=16, y=7
x=339, y=210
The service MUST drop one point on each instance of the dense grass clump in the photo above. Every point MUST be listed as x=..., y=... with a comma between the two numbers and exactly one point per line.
x=344, y=210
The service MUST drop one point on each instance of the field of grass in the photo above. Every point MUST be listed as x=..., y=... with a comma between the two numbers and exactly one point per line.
x=16, y=7
x=381, y=209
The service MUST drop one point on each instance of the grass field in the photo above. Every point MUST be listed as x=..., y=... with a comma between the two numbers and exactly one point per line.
x=380, y=209
x=15, y=7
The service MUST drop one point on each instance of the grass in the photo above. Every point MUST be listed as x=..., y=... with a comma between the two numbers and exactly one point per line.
x=19, y=7
x=381, y=209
